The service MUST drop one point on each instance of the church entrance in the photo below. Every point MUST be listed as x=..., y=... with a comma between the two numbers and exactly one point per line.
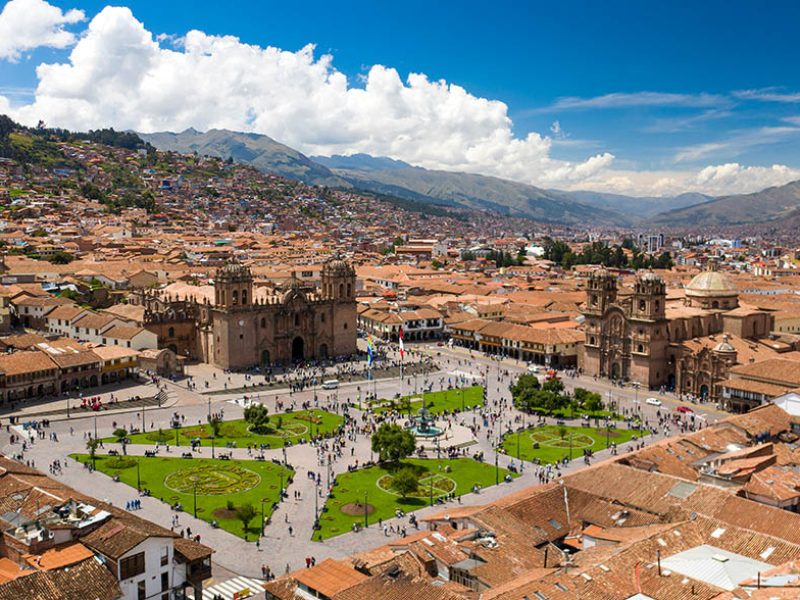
x=298, y=350
x=323, y=351
x=615, y=370
x=265, y=358
x=704, y=391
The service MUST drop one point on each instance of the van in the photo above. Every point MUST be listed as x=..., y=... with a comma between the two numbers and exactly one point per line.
x=330, y=384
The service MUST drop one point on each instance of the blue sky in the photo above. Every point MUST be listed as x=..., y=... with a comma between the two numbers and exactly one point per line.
x=619, y=95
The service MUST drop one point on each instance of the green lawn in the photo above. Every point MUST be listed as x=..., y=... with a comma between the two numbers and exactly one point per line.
x=219, y=482
x=553, y=448
x=437, y=402
x=375, y=481
x=291, y=427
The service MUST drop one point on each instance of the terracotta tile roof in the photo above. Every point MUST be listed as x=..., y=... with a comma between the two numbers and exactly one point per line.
x=88, y=579
x=329, y=577
x=26, y=361
x=57, y=558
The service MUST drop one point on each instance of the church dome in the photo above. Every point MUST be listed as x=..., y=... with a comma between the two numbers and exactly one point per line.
x=725, y=347
x=337, y=266
x=711, y=283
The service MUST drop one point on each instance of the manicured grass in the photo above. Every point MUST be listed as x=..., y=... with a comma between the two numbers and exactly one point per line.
x=294, y=427
x=218, y=482
x=375, y=481
x=566, y=413
x=553, y=448
x=437, y=402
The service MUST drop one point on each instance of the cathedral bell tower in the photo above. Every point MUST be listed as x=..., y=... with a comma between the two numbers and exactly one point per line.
x=338, y=280
x=649, y=297
x=601, y=292
x=233, y=286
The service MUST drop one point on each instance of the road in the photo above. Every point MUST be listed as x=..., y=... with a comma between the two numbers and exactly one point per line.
x=278, y=548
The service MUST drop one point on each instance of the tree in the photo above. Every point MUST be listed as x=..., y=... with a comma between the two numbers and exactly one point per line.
x=562, y=432
x=405, y=482
x=593, y=402
x=91, y=446
x=257, y=416
x=245, y=513
x=61, y=258
x=215, y=423
x=120, y=434
x=553, y=385
x=392, y=443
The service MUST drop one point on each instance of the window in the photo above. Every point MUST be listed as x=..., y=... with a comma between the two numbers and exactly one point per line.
x=322, y=317
x=297, y=320
x=345, y=325
x=244, y=297
x=131, y=566
x=171, y=332
x=640, y=349
x=642, y=305
x=165, y=581
x=164, y=556
x=263, y=322
x=235, y=297
x=141, y=590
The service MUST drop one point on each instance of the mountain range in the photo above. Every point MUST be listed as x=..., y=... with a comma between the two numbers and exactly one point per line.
x=396, y=178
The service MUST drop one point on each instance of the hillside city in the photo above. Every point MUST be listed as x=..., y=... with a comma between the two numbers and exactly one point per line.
x=219, y=382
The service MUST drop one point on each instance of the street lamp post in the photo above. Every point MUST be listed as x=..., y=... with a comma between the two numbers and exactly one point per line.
x=519, y=431
x=138, y=477
x=195, y=497
x=212, y=447
x=144, y=429
x=366, y=511
x=262, y=516
x=280, y=490
x=431, y=490
x=95, y=427
x=209, y=409
x=496, y=468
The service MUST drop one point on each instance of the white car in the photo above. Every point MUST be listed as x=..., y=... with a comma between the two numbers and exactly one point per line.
x=653, y=401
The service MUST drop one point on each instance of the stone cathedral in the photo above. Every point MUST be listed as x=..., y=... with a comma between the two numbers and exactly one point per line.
x=687, y=344
x=237, y=326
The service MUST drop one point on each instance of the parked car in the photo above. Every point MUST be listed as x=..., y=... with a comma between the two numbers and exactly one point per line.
x=684, y=409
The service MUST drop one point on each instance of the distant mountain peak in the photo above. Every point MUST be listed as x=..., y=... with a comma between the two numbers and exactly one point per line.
x=361, y=162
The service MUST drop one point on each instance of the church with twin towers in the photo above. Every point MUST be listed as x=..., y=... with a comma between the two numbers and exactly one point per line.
x=236, y=325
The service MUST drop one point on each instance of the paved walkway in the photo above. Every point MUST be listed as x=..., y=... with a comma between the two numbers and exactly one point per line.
x=278, y=548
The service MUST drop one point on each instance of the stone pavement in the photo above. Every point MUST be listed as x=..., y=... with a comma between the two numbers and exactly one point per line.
x=278, y=548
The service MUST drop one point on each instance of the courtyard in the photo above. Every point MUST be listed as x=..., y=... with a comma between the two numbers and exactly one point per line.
x=284, y=429
x=445, y=401
x=219, y=486
x=553, y=443
x=370, y=491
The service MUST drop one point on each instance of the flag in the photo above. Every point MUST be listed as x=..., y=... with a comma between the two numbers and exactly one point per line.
x=402, y=350
x=369, y=350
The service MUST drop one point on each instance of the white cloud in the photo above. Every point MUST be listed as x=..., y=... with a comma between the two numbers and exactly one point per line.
x=739, y=141
x=714, y=180
x=625, y=100
x=768, y=95
x=29, y=24
x=119, y=74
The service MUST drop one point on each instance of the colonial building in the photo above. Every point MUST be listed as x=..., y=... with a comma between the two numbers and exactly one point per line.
x=684, y=344
x=235, y=325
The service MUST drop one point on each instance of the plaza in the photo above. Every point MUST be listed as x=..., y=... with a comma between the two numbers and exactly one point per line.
x=342, y=454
